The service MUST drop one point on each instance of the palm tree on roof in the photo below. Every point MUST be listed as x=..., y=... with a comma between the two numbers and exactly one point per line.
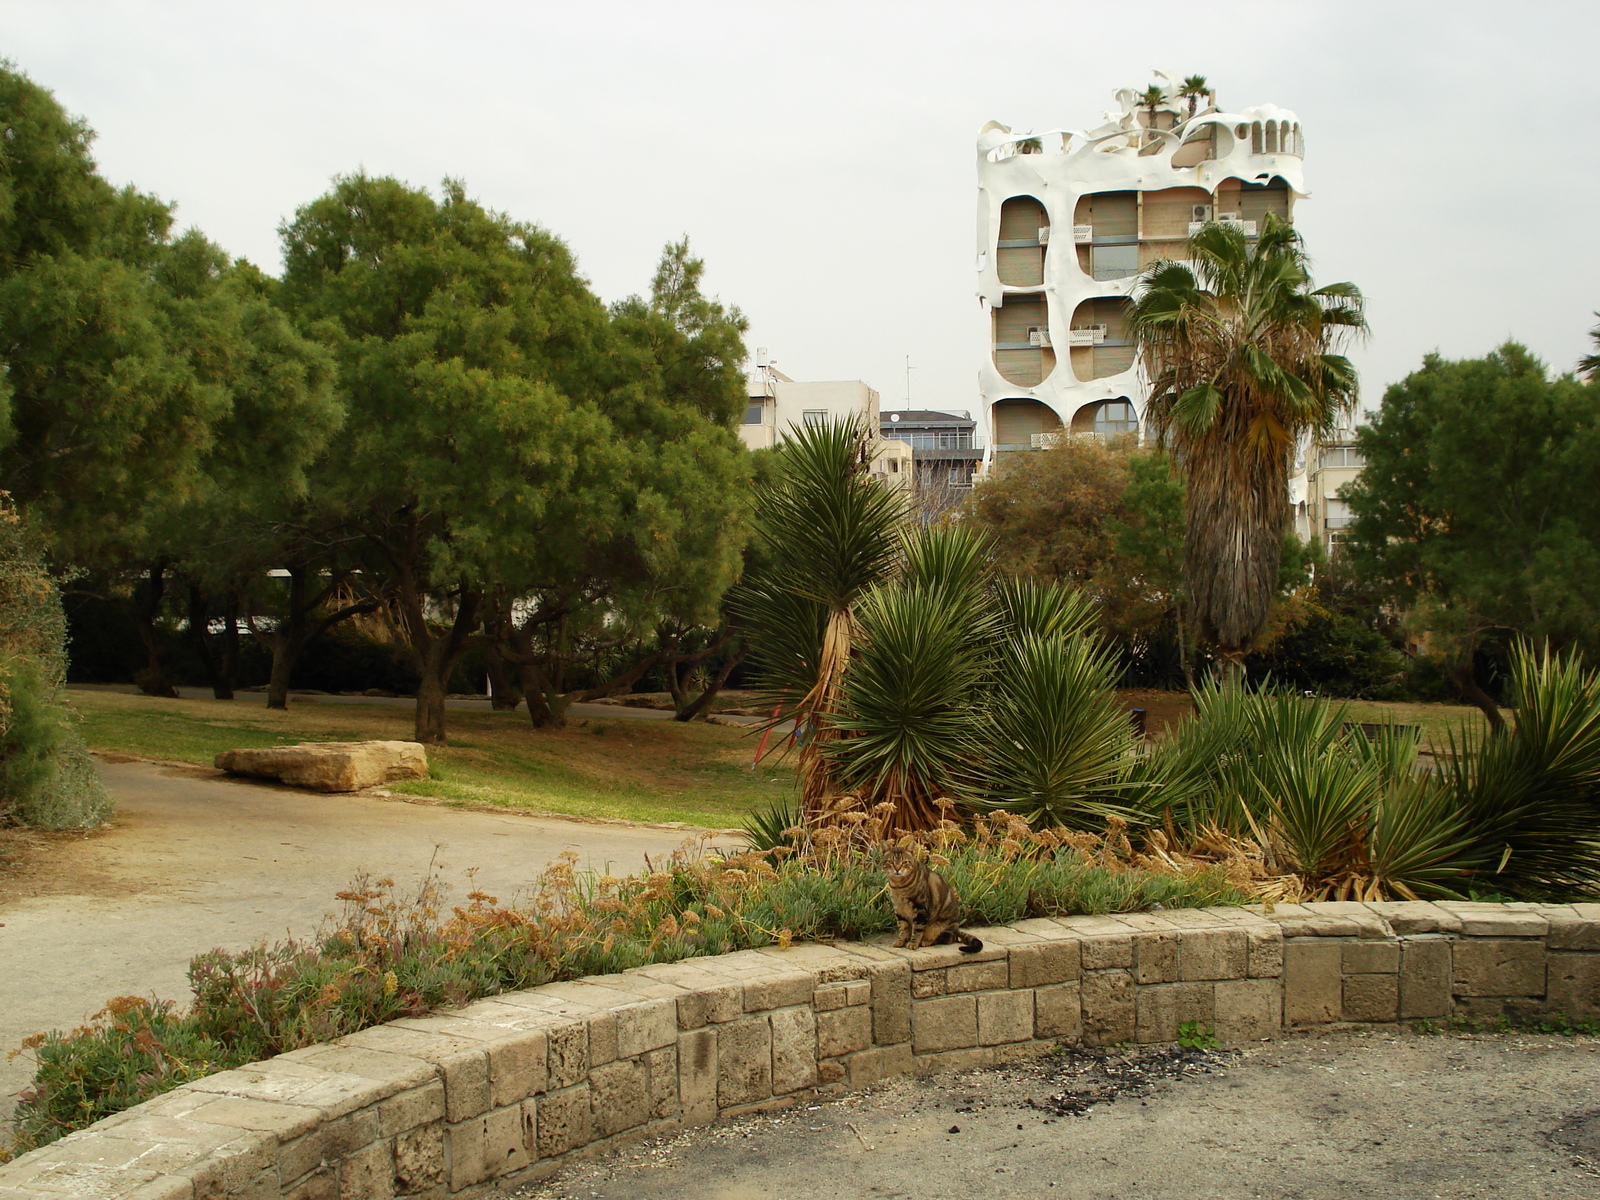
x=1194, y=87
x=1238, y=347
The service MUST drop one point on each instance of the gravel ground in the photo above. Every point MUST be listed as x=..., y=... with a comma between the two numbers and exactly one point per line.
x=1320, y=1117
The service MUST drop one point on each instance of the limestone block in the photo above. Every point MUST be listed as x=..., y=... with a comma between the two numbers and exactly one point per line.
x=1155, y=957
x=1058, y=1012
x=891, y=1002
x=368, y=1173
x=661, y=1067
x=330, y=766
x=411, y=1109
x=647, y=1026
x=1313, y=984
x=697, y=1075
x=1426, y=982
x=927, y=983
x=1161, y=1008
x=285, y=1121
x=831, y=1071
x=602, y=1039
x=1005, y=1017
x=1574, y=934
x=722, y=1002
x=744, y=1061
x=1107, y=951
x=1371, y=997
x=1045, y=963
x=955, y=1060
x=1416, y=916
x=880, y=1062
x=565, y=1121
x=977, y=977
x=794, y=1049
x=780, y=989
x=1496, y=920
x=1247, y=1010
x=518, y=1068
x=487, y=1147
x=1108, y=1010
x=1266, y=951
x=829, y=997
x=324, y=1185
x=619, y=1096
x=1574, y=985
x=569, y=1055
x=944, y=1023
x=419, y=1158
x=1213, y=954
x=1499, y=967
x=288, y=1080
x=1371, y=958
x=843, y=1031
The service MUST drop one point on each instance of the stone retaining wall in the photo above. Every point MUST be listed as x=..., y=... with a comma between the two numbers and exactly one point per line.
x=511, y=1087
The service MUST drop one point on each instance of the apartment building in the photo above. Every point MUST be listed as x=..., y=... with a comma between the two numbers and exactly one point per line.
x=1068, y=219
x=1329, y=465
x=778, y=403
x=946, y=447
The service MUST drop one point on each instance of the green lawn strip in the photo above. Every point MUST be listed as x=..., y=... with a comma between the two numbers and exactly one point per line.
x=624, y=769
x=1438, y=721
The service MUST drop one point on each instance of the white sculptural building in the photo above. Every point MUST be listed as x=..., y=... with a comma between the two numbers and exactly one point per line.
x=1067, y=221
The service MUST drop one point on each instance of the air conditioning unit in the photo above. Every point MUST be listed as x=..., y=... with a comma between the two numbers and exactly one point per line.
x=1038, y=335
x=1083, y=233
x=1201, y=213
x=1044, y=234
x=1230, y=218
x=1087, y=335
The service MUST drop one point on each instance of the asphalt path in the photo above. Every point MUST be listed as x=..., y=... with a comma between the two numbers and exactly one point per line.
x=193, y=860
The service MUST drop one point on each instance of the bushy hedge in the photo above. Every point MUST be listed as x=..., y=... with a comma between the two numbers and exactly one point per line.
x=394, y=955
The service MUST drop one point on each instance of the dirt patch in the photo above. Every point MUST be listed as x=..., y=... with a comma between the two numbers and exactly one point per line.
x=1161, y=709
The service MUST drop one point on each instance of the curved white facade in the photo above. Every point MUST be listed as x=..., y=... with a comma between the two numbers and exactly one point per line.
x=1067, y=221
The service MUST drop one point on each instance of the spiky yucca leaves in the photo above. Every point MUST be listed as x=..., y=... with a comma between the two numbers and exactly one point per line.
x=1042, y=609
x=906, y=726
x=1055, y=744
x=1237, y=346
x=1352, y=819
x=830, y=532
x=1531, y=798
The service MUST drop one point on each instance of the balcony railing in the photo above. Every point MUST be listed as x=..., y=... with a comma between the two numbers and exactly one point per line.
x=1338, y=522
x=934, y=440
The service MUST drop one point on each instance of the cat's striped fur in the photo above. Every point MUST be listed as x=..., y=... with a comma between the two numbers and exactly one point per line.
x=928, y=908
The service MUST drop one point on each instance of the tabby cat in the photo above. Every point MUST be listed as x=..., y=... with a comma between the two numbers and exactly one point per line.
x=927, y=906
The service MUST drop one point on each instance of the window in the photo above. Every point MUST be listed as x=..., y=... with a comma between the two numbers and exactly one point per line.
x=1113, y=262
x=752, y=412
x=815, y=416
x=894, y=466
x=1115, y=416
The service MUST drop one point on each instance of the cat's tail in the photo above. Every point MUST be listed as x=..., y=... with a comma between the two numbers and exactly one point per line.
x=969, y=944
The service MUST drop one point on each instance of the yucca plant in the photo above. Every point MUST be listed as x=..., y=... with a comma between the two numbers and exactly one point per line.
x=830, y=532
x=1531, y=797
x=1054, y=744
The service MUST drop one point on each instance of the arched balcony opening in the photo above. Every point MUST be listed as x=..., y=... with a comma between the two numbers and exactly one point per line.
x=1023, y=424
x=1105, y=227
x=1101, y=346
x=1106, y=419
x=1022, y=351
x=1024, y=235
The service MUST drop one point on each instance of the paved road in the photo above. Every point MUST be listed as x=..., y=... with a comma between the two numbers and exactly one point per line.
x=193, y=861
x=1331, y=1117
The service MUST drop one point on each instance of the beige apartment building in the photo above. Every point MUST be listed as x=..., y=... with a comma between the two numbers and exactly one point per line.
x=1321, y=516
x=778, y=403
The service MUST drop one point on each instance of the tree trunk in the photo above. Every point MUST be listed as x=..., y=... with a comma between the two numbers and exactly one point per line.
x=547, y=704
x=504, y=692
x=703, y=701
x=1229, y=667
x=284, y=654
x=217, y=655
x=156, y=678
x=431, y=688
x=1464, y=680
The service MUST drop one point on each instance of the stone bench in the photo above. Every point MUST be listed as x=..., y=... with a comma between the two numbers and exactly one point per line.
x=512, y=1087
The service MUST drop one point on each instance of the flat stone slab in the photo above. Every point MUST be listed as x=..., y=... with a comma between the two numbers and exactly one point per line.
x=330, y=766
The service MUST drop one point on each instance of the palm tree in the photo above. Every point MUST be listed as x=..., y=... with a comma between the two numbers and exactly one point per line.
x=1237, y=346
x=1194, y=87
x=1589, y=364
x=1150, y=98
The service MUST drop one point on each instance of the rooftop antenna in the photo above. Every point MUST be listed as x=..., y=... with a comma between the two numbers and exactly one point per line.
x=909, y=369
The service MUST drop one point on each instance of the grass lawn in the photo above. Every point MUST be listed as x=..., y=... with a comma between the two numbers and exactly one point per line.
x=638, y=770
x=1438, y=721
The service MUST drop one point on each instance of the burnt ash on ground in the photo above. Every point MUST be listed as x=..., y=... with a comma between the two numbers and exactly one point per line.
x=1082, y=1078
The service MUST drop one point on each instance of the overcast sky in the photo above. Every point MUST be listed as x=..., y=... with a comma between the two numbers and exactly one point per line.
x=820, y=156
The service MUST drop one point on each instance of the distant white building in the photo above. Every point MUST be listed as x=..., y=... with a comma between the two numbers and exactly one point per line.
x=777, y=403
x=1067, y=221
